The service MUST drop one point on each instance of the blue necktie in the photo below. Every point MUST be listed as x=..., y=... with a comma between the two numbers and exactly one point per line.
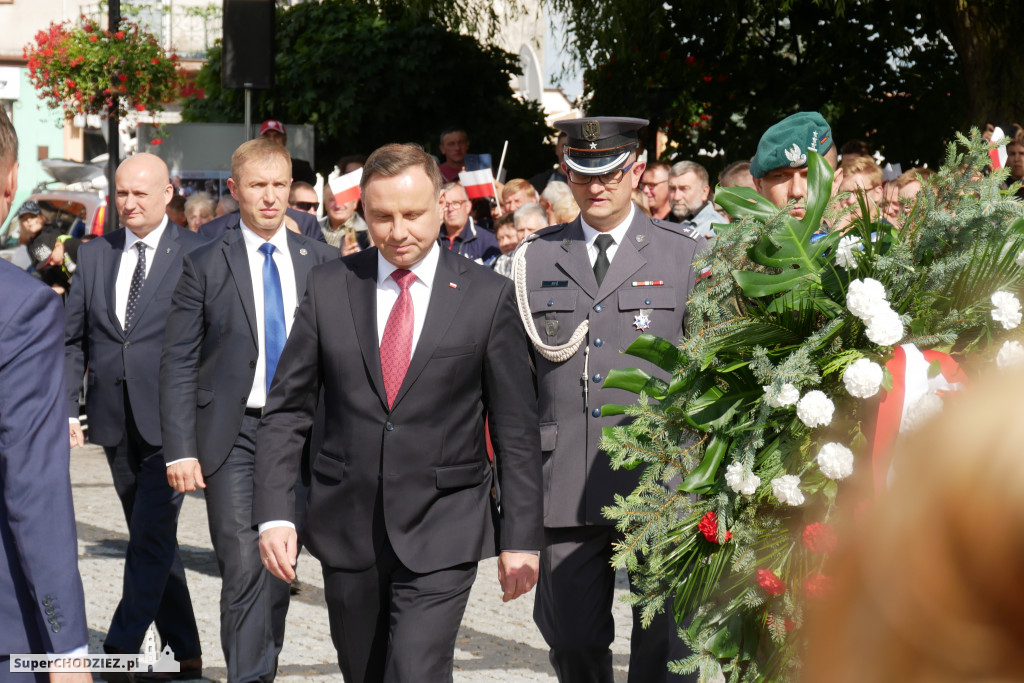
x=273, y=311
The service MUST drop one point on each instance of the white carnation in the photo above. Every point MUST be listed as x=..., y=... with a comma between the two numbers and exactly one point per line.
x=787, y=396
x=1010, y=354
x=786, y=489
x=835, y=461
x=1006, y=310
x=865, y=297
x=815, y=409
x=741, y=481
x=863, y=379
x=846, y=256
x=921, y=411
x=885, y=327
x=1020, y=259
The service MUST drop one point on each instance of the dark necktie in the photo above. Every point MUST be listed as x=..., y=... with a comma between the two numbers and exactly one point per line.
x=396, y=343
x=138, y=279
x=273, y=311
x=601, y=264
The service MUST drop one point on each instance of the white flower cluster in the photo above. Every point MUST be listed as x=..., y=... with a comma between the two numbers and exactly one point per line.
x=741, y=481
x=1011, y=353
x=787, y=396
x=835, y=461
x=1006, y=310
x=846, y=256
x=867, y=300
x=815, y=409
x=786, y=489
x=863, y=379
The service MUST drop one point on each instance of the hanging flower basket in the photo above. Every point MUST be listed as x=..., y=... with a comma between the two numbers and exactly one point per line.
x=88, y=70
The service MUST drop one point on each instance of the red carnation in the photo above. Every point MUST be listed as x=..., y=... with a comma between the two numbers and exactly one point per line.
x=708, y=526
x=819, y=537
x=119, y=35
x=817, y=586
x=770, y=583
x=93, y=38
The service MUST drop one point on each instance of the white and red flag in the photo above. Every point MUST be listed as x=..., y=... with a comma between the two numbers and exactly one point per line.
x=478, y=183
x=345, y=188
x=997, y=154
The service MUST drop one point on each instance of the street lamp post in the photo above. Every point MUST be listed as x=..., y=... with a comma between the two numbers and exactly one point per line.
x=113, y=135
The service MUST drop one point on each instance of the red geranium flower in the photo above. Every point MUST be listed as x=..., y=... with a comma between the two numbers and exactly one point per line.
x=708, y=526
x=93, y=38
x=817, y=586
x=770, y=583
x=819, y=537
x=119, y=35
x=122, y=77
x=156, y=141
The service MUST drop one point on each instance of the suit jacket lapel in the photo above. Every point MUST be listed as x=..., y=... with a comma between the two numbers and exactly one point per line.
x=362, y=298
x=238, y=266
x=302, y=262
x=444, y=304
x=575, y=261
x=165, y=253
x=628, y=258
x=116, y=249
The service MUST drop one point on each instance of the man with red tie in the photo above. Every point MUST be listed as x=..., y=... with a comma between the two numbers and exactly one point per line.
x=411, y=345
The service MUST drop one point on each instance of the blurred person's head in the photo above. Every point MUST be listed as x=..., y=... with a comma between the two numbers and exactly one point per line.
x=505, y=232
x=688, y=189
x=274, y=131
x=553, y=191
x=901, y=191
x=565, y=210
x=862, y=174
x=456, y=206
x=199, y=209
x=261, y=177
x=780, y=166
x=30, y=221
x=854, y=148
x=303, y=197
x=176, y=210
x=528, y=219
x=640, y=199
x=927, y=584
x=226, y=205
x=515, y=193
x=454, y=146
x=350, y=162
x=654, y=184
x=1015, y=157
x=560, y=146
x=142, y=192
x=736, y=174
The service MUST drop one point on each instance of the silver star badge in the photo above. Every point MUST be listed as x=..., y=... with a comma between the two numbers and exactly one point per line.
x=593, y=145
x=641, y=322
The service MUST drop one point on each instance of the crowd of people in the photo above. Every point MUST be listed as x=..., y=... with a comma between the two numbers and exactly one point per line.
x=406, y=385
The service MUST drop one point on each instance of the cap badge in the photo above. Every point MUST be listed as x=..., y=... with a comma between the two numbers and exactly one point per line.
x=591, y=130
x=593, y=145
x=795, y=156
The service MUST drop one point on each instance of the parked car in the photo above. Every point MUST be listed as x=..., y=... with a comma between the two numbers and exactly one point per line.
x=75, y=201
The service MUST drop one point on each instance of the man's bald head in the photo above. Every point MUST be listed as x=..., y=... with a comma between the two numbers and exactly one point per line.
x=143, y=192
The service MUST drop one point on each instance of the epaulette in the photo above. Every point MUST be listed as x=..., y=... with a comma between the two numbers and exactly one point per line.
x=551, y=229
x=679, y=228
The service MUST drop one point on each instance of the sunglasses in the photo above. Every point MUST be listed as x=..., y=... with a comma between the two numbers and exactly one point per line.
x=305, y=206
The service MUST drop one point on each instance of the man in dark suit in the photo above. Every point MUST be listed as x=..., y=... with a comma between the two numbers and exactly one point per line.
x=229, y=318
x=116, y=315
x=621, y=274
x=412, y=346
x=42, y=609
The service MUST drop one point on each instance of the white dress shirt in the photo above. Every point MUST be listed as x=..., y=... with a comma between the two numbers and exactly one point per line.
x=130, y=259
x=618, y=234
x=289, y=295
x=387, y=295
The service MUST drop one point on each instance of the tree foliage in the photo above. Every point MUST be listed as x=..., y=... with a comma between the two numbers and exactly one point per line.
x=364, y=76
x=714, y=75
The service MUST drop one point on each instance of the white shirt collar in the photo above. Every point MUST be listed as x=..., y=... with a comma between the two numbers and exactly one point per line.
x=152, y=240
x=253, y=241
x=618, y=233
x=424, y=269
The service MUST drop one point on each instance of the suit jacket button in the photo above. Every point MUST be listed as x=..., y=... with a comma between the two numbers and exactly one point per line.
x=252, y=364
x=596, y=412
x=55, y=628
x=244, y=400
x=47, y=600
x=388, y=426
x=49, y=611
x=127, y=344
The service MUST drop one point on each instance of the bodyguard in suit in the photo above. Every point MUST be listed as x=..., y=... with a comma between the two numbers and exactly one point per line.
x=229, y=318
x=412, y=346
x=116, y=315
x=42, y=609
x=618, y=274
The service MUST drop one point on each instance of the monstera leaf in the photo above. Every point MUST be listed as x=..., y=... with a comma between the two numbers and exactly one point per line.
x=787, y=247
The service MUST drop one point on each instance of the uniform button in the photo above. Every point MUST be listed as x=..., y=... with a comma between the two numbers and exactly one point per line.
x=597, y=377
x=647, y=302
x=252, y=364
x=597, y=307
x=598, y=342
x=596, y=412
x=388, y=426
x=551, y=302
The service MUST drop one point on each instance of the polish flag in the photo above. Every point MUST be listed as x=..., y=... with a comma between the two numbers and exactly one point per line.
x=478, y=183
x=997, y=154
x=346, y=187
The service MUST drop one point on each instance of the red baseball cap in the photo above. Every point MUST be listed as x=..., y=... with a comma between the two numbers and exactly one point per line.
x=271, y=124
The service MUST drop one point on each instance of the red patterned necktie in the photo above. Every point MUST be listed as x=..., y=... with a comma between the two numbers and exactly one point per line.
x=396, y=344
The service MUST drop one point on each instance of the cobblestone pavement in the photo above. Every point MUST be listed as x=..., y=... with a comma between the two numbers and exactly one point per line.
x=497, y=641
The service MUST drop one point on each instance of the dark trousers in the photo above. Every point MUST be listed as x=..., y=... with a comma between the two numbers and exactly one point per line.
x=392, y=625
x=154, y=588
x=573, y=612
x=253, y=603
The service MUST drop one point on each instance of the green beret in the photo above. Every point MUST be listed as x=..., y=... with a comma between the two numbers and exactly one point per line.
x=785, y=145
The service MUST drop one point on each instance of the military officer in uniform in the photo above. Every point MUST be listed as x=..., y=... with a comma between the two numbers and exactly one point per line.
x=586, y=290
